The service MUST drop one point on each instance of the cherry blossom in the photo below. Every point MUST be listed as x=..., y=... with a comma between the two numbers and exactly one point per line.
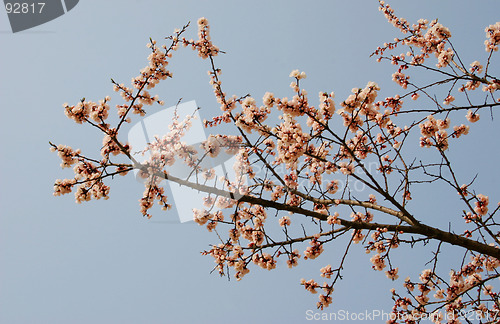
x=296, y=160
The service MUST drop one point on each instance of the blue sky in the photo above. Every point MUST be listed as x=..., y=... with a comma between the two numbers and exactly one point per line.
x=101, y=262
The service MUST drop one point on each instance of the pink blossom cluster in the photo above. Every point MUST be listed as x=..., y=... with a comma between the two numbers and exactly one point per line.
x=332, y=187
x=357, y=236
x=314, y=250
x=293, y=257
x=292, y=141
x=392, y=274
x=67, y=155
x=85, y=110
x=333, y=219
x=298, y=105
x=433, y=41
x=91, y=186
x=264, y=260
x=378, y=262
x=326, y=271
x=221, y=255
x=358, y=104
x=310, y=285
x=492, y=37
x=433, y=129
x=204, y=44
x=360, y=146
x=88, y=176
x=472, y=116
x=151, y=193
x=285, y=221
x=449, y=99
x=380, y=244
x=215, y=143
x=460, y=130
x=492, y=86
x=148, y=78
x=327, y=105
x=401, y=79
x=476, y=67
x=62, y=187
x=166, y=150
x=451, y=294
x=156, y=70
x=111, y=146
x=251, y=116
x=324, y=299
x=481, y=204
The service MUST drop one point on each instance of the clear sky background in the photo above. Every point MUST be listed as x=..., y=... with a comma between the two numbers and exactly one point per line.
x=101, y=262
